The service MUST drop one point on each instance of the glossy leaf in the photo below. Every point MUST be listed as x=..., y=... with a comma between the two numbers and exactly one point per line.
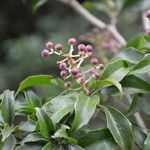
x=45, y=123
x=97, y=138
x=120, y=127
x=33, y=80
x=84, y=109
x=7, y=107
x=147, y=142
x=115, y=70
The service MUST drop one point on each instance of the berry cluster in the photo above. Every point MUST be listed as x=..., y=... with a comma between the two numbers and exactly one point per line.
x=71, y=64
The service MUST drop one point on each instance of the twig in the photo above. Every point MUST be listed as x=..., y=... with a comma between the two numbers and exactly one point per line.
x=94, y=20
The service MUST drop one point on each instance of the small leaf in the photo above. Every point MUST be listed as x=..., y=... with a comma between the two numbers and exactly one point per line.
x=48, y=146
x=6, y=132
x=115, y=70
x=62, y=133
x=120, y=127
x=96, y=137
x=33, y=137
x=9, y=143
x=84, y=109
x=7, y=107
x=45, y=122
x=147, y=143
x=32, y=98
x=143, y=66
x=33, y=80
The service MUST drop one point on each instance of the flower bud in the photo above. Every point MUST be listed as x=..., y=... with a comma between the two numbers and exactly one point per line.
x=62, y=65
x=45, y=53
x=63, y=73
x=74, y=71
x=72, y=41
x=59, y=47
x=94, y=61
x=81, y=47
x=89, y=48
x=101, y=66
x=147, y=13
x=96, y=75
x=67, y=84
x=49, y=45
x=81, y=80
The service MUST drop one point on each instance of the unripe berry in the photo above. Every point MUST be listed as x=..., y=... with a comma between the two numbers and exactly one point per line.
x=67, y=84
x=81, y=80
x=63, y=65
x=94, y=61
x=81, y=47
x=74, y=71
x=59, y=47
x=49, y=45
x=101, y=66
x=72, y=41
x=45, y=53
x=147, y=13
x=89, y=48
x=63, y=73
x=96, y=75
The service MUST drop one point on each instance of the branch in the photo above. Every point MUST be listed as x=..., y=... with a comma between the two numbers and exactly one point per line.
x=94, y=20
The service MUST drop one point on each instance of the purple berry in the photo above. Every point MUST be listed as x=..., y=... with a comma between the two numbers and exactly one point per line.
x=63, y=73
x=101, y=66
x=72, y=41
x=147, y=13
x=91, y=71
x=67, y=84
x=63, y=65
x=49, y=45
x=96, y=75
x=74, y=71
x=45, y=53
x=59, y=47
x=81, y=47
x=94, y=61
x=81, y=80
x=89, y=48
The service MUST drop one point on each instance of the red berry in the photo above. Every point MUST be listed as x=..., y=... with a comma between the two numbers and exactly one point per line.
x=63, y=73
x=45, y=53
x=81, y=80
x=49, y=45
x=94, y=61
x=89, y=48
x=74, y=71
x=59, y=47
x=72, y=41
x=101, y=66
x=81, y=47
x=67, y=84
x=147, y=13
x=63, y=65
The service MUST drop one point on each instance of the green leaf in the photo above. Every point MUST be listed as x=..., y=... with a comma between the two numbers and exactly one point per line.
x=120, y=127
x=9, y=143
x=130, y=55
x=7, y=107
x=6, y=132
x=97, y=138
x=38, y=3
x=30, y=146
x=109, y=82
x=34, y=137
x=45, y=122
x=143, y=66
x=48, y=146
x=32, y=98
x=74, y=147
x=84, y=109
x=33, y=80
x=133, y=84
x=115, y=70
x=62, y=133
x=147, y=142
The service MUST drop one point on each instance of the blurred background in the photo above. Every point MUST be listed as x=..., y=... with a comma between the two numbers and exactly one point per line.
x=24, y=32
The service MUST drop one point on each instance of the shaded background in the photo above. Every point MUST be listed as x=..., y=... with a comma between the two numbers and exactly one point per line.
x=23, y=34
